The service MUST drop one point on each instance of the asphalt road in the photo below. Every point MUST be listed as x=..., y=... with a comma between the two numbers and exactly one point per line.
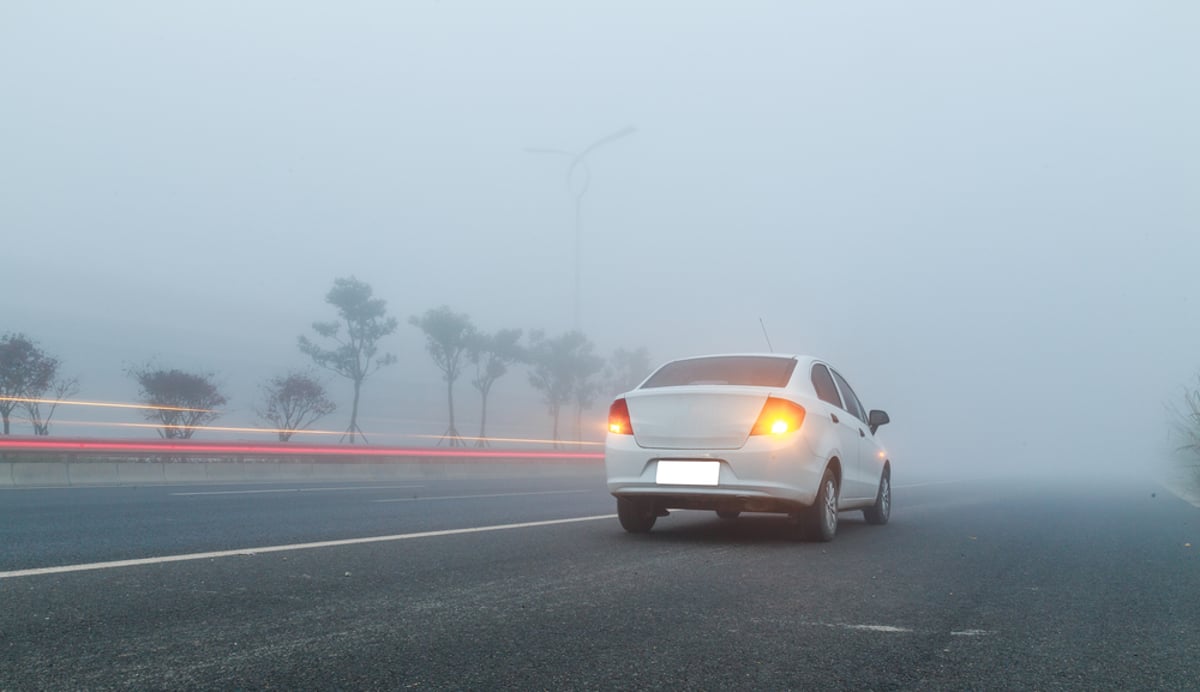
x=975, y=584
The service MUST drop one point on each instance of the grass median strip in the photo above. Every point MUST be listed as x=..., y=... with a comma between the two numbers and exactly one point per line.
x=246, y=552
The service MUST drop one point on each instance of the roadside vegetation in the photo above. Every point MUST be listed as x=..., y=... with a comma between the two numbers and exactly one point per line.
x=30, y=381
x=448, y=339
x=180, y=402
x=354, y=353
x=565, y=370
x=1185, y=428
x=294, y=402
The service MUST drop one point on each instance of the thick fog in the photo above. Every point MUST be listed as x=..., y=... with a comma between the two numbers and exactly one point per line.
x=984, y=215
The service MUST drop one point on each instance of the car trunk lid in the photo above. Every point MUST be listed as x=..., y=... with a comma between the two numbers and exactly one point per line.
x=695, y=417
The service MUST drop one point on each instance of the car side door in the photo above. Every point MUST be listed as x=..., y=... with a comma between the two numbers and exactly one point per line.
x=866, y=475
x=845, y=424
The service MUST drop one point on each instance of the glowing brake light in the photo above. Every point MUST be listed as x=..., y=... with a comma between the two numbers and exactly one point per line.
x=778, y=417
x=618, y=418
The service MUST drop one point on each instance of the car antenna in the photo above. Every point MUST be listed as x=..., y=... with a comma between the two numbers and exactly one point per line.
x=764, y=328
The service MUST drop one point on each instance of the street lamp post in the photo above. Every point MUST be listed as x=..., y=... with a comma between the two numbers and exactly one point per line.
x=578, y=167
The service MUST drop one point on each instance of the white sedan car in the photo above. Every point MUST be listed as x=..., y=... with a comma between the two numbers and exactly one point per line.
x=747, y=433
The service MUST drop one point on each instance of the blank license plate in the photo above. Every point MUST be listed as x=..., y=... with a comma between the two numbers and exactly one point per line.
x=688, y=472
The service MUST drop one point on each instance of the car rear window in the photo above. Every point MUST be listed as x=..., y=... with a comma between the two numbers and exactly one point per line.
x=752, y=371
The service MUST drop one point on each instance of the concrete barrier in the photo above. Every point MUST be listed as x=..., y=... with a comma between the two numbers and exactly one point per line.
x=230, y=472
x=184, y=472
x=284, y=471
x=6, y=474
x=335, y=472
x=40, y=473
x=93, y=473
x=140, y=473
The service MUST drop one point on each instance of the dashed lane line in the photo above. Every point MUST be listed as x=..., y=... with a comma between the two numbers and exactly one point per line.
x=873, y=628
x=928, y=483
x=297, y=490
x=471, y=497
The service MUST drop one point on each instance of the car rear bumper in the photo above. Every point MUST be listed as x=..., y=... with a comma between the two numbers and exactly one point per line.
x=766, y=475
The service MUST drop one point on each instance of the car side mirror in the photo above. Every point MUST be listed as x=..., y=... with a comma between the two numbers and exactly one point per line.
x=877, y=418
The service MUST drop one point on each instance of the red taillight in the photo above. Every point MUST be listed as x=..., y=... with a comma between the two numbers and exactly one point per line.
x=778, y=417
x=618, y=418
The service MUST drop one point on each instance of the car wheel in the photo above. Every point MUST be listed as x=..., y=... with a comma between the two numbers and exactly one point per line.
x=822, y=519
x=636, y=516
x=728, y=513
x=878, y=513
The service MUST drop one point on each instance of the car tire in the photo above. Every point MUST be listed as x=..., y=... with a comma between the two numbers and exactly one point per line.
x=728, y=513
x=822, y=518
x=879, y=513
x=636, y=516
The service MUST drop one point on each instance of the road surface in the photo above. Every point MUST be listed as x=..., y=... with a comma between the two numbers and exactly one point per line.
x=977, y=583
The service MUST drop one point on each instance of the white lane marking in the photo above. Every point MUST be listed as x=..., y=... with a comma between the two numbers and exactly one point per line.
x=898, y=630
x=294, y=546
x=956, y=480
x=468, y=497
x=874, y=628
x=298, y=490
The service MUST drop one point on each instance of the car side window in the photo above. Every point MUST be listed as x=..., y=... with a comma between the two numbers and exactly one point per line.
x=823, y=383
x=853, y=405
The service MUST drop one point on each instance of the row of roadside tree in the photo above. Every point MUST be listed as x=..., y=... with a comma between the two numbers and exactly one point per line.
x=565, y=370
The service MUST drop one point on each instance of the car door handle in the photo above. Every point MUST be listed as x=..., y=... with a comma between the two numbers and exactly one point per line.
x=861, y=433
x=835, y=418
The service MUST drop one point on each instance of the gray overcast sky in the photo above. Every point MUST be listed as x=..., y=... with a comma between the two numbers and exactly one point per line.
x=985, y=213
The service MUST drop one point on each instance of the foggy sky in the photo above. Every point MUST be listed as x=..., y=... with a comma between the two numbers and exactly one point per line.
x=984, y=214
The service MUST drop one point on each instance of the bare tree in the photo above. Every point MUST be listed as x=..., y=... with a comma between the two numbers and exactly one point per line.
x=58, y=390
x=492, y=354
x=355, y=354
x=293, y=402
x=586, y=387
x=179, y=401
x=626, y=370
x=560, y=368
x=1185, y=419
x=26, y=371
x=448, y=338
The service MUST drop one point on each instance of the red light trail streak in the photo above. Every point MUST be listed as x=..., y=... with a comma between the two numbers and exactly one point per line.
x=177, y=447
